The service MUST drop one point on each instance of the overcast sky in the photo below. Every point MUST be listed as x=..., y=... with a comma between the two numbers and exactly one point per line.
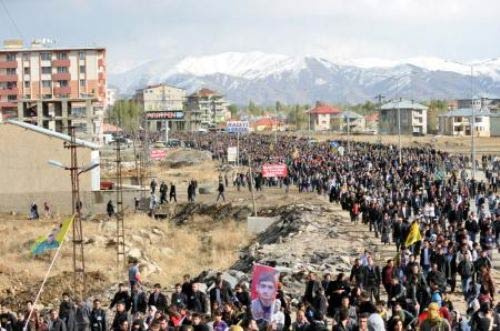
x=137, y=30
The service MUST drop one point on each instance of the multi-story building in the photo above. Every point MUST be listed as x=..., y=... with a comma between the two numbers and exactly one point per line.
x=458, y=122
x=478, y=102
x=205, y=109
x=54, y=87
x=111, y=95
x=163, y=105
x=324, y=117
x=413, y=117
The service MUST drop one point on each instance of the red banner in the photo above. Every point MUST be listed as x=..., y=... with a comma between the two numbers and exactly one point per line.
x=274, y=170
x=158, y=154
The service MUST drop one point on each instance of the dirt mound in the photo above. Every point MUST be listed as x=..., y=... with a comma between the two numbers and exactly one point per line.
x=186, y=157
x=185, y=212
x=55, y=286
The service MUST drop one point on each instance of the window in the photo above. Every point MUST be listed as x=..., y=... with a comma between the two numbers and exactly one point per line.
x=47, y=96
x=46, y=83
x=26, y=70
x=45, y=56
x=46, y=70
x=81, y=55
x=63, y=83
x=82, y=69
x=82, y=82
x=62, y=70
x=26, y=56
x=27, y=96
x=11, y=71
x=12, y=97
x=27, y=84
x=11, y=57
x=62, y=56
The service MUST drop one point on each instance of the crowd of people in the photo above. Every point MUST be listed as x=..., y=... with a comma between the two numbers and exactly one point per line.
x=444, y=224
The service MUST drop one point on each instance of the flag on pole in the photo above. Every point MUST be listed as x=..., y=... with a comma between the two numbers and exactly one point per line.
x=53, y=240
x=414, y=235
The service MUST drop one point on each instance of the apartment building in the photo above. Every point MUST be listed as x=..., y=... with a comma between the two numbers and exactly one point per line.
x=163, y=105
x=54, y=87
x=413, y=117
x=205, y=109
x=458, y=122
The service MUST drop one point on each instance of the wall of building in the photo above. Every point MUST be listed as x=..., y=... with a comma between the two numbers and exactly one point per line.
x=24, y=170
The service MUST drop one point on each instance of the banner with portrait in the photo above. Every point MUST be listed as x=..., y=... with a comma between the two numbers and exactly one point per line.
x=264, y=290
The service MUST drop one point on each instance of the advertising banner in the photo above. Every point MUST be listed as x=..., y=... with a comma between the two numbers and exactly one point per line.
x=232, y=154
x=238, y=126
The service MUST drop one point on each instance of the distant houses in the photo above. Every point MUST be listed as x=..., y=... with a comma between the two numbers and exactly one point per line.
x=412, y=117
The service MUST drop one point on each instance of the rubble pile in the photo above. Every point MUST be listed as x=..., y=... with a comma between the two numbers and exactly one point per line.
x=305, y=238
x=186, y=157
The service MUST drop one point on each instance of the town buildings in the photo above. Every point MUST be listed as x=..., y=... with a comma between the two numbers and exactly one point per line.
x=413, y=117
x=324, y=117
x=205, y=109
x=54, y=87
x=163, y=105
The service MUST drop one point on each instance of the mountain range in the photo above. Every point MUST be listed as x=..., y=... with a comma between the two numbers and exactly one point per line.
x=267, y=78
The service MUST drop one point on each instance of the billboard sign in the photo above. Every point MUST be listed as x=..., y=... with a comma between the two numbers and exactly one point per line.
x=165, y=115
x=238, y=126
x=232, y=154
x=274, y=170
x=158, y=154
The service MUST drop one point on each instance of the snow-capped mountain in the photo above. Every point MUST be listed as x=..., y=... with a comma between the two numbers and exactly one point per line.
x=266, y=78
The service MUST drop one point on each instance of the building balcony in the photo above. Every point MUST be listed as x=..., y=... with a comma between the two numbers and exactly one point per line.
x=62, y=90
x=101, y=76
x=8, y=64
x=61, y=76
x=101, y=63
x=8, y=104
x=8, y=78
x=9, y=91
x=61, y=63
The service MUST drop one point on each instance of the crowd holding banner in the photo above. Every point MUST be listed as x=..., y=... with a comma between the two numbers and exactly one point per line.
x=444, y=225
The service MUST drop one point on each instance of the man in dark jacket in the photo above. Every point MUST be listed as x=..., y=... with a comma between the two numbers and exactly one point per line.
x=120, y=316
x=65, y=308
x=312, y=287
x=55, y=323
x=97, y=317
x=121, y=295
x=197, y=301
x=220, y=189
x=158, y=299
x=138, y=301
x=7, y=319
x=179, y=298
x=371, y=279
x=222, y=291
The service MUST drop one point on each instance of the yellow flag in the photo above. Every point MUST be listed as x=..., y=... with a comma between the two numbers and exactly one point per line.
x=414, y=235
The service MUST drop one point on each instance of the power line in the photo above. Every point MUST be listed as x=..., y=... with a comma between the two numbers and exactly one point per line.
x=11, y=19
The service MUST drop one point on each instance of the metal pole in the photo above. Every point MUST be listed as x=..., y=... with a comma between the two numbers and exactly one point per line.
x=348, y=134
x=399, y=132
x=473, y=124
x=238, y=148
x=78, y=251
x=251, y=186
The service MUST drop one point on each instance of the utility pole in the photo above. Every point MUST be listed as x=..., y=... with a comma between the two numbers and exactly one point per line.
x=399, y=132
x=379, y=102
x=120, y=228
x=254, y=209
x=348, y=133
x=78, y=251
x=473, y=124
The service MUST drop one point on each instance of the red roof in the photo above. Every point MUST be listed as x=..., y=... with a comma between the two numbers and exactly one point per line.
x=204, y=92
x=373, y=117
x=325, y=109
x=270, y=122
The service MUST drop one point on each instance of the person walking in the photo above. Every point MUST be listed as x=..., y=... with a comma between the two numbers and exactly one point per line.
x=173, y=192
x=220, y=189
x=110, y=209
x=163, y=192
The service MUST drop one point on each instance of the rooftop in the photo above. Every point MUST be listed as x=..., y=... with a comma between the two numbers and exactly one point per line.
x=322, y=108
x=467, y=112
x=403, y=104
x=52, y=134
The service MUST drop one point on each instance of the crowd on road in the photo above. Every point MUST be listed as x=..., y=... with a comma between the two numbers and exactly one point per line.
x=444, y=224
